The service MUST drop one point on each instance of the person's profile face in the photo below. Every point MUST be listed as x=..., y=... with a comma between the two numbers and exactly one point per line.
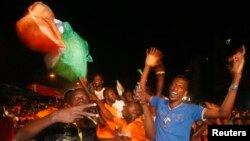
x=125, y=111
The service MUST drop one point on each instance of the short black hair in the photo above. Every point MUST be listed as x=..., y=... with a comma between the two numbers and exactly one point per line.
x=69, y=94
x=184, y=77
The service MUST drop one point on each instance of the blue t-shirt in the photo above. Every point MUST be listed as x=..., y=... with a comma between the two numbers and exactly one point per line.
x=174, y=124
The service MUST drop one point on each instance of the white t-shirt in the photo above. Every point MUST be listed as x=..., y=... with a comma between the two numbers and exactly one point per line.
x=99, y=94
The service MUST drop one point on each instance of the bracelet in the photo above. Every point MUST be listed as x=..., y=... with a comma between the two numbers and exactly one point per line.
x=160, y=72
x=233, y=87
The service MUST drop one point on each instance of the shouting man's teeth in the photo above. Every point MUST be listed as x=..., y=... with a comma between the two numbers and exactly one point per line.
x=174, y=93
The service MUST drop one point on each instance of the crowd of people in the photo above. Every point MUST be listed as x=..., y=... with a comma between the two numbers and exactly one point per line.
x=95, y=112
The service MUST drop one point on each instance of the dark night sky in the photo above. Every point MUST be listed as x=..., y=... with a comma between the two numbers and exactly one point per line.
x=118, y=33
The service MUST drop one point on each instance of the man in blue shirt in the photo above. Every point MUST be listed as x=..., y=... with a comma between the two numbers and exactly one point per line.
x=175, y=118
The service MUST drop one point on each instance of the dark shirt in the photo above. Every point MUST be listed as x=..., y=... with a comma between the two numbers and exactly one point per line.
x=69, y=132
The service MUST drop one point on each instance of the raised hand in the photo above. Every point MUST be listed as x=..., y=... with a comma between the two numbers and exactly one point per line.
x=159, y=67
x=153, y=57
x=237, y=61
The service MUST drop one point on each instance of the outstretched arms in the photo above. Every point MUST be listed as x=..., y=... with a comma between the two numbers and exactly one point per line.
x=66, y=115
x=153, y=59
x=236, y=66
x=160, y=74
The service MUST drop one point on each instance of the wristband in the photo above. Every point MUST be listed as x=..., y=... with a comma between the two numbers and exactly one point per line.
x=160, y=72
x=233, y=87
